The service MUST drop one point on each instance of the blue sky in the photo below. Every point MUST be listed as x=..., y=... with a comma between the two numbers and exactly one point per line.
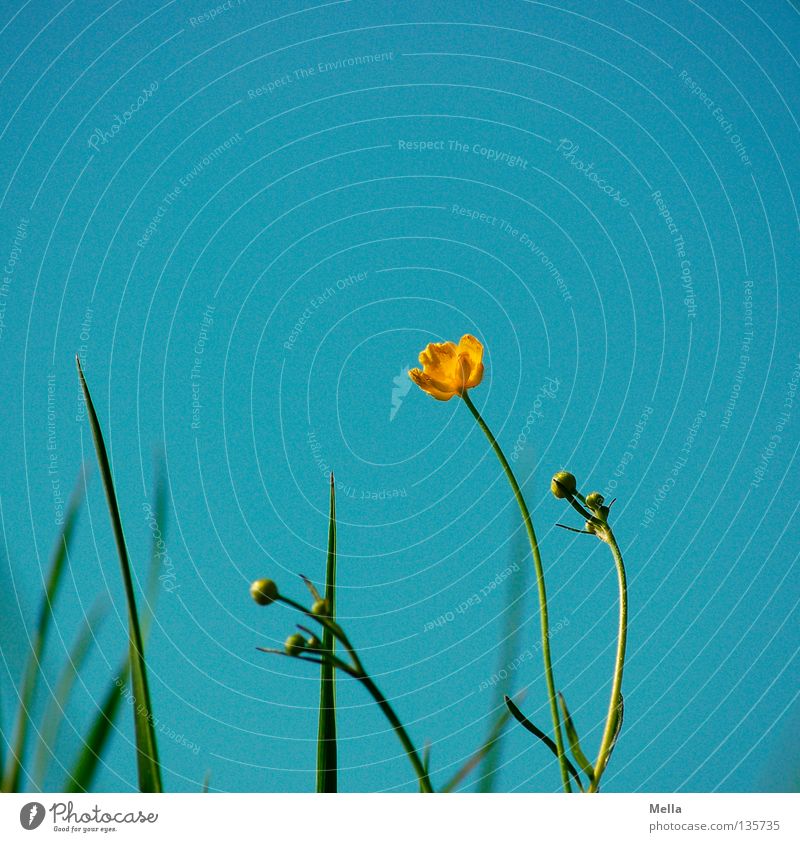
x=250, y=224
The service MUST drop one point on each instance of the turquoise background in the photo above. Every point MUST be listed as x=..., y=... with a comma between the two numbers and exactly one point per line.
x=314, y=187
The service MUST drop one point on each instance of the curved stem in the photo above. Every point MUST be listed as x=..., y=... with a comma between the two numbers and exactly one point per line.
x=358, y=672
x=336, y=630
x=537, y=563
x=388, y=711
x=610, y=731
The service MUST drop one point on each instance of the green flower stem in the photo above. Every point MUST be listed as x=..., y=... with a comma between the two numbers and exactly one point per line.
x=327, y=749
x=543, y=615
x=358, y=672
x=402, y=735
x=610, y=731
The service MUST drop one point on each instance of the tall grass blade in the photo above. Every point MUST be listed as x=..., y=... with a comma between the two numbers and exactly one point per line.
x=515, y=592
x=494, y=735
x=81, y=777
x=327, y=763
x=160, y=513
x=574, y=741
x=146, y=748
x=85, y=769
x=539, y=734
x=12, y=778
x=54, y=715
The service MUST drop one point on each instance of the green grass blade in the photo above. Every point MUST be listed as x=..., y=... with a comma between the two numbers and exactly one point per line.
x=574, y=742
x=327, y=763
x=160, y=513
x=54, y=715
x=12, y=778
x=85, y=769
x=82, y=775
x=515, y=593
x=494, y=735
x=146, y=748
x=539, y=734
x=426, y=763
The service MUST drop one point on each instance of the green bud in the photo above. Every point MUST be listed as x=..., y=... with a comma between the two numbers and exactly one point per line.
x=595, y=500
x=321, y=608
x=264, y=591
x=563, y=485
x=313, y=643
x=597, y=529
x=295, y=644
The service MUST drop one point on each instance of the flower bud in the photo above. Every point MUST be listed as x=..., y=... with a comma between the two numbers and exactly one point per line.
x=295, y=644
x=313, y=643
x=595, y=500
x=563, y=485
x=264, y=591
x=321, y=608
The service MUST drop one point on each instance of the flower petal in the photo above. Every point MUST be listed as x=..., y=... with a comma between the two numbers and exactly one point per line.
x=430, y=386
x=470, y=346
x=449, y=369
x=439, y=355
x=470, y=353
x=475, y=377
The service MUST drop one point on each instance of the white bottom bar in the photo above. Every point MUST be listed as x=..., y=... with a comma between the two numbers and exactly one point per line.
x=399, y=818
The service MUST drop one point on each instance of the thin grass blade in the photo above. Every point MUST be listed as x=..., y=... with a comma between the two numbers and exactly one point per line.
x=148, y=766
x=494, y=735
x=327, y=761
x=12, y=778
x=94, y=745
x=515, y=593
x=159, y=536
x=574, y=741
x=539, y=734
x=83, y=772
x=54, y=715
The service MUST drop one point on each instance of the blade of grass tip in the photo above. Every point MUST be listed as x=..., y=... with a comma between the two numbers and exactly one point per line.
x=574, y=742
x=480, y=754
x=146, y=747
x=426, y=762
x=327, y=761
x=54, y=714
x=94, y=744
x=206, y=781
x=13, y=776
x=515, y=602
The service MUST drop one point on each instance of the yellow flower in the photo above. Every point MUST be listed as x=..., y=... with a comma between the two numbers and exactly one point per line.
x=449, y=369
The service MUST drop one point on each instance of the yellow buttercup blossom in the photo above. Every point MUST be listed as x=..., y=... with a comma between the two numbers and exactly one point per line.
x=449, y=369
